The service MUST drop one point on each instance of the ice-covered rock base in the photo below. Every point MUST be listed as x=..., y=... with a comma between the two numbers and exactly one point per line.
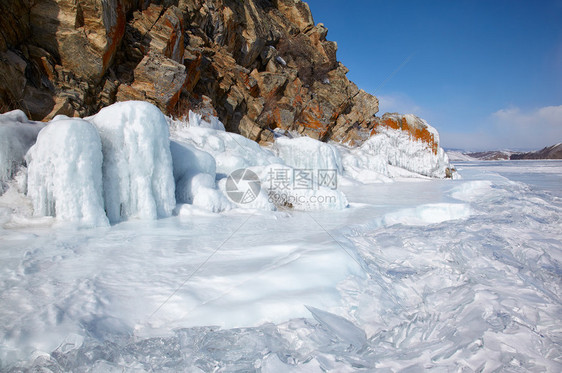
x=137, y=164
x=144, y=174
x=17, y=135
x=64, y=177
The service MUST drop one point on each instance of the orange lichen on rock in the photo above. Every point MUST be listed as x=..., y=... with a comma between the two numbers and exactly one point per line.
x=417, y=131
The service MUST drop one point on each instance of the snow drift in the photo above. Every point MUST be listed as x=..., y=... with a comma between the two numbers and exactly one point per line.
x=64, y=173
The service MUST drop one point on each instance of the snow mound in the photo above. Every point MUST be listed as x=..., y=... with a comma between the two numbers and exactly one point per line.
x=307, y=153
x=231, y=151
x=195, y=174
x=64, y=173
x=432, y=213
x=364, y=166
x=137, y=163
x=399, y=149
x=472, y=190
x=17, y=135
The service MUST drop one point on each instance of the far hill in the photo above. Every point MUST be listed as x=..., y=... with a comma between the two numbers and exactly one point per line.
x=551, y=152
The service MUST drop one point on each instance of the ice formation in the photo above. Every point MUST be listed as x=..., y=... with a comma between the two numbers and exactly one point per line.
x=197, y=120
x=413, y=276
x=195, y=174
x=144, y=175
x=363, y=166
x=137, y=164
x=234, y=152
x=231, y=151
x=65, y=173
x=17, y=135
x=307, y=153
x=399, y=149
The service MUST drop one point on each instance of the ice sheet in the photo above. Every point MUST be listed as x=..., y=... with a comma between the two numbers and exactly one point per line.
x=426, y=274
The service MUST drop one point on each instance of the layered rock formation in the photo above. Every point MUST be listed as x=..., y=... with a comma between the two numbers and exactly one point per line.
x=262, y=64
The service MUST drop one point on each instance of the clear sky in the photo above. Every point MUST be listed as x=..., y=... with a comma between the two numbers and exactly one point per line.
x=486, y=74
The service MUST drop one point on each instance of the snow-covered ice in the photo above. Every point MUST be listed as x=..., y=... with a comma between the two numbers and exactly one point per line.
x=137, y=165
x=17, y=135
x=459, y=275
x=398, y=149
x=195, y=175
x=231, y=151
x=64, y=176
x=390, y=271
x=307, y=153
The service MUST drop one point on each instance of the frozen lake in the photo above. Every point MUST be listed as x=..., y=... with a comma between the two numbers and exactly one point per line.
x=460, y=275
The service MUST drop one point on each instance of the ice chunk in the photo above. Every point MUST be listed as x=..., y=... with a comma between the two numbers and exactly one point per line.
x=189, y=161
x=194, y=174
x=340, y=327
x=65, y=173
x=137, y=164
x=17, y=135
x=307, y=153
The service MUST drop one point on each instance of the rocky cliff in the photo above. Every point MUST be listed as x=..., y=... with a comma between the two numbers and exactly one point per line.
x=261, y=64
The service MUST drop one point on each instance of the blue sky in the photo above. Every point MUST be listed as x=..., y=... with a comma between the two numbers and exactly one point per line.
x=486, y=74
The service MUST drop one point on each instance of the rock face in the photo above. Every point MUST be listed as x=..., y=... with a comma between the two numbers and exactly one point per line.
x=263, y=64
x=550, y=152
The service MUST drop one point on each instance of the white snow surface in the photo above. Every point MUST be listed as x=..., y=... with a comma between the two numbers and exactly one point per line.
x=17, y=135
x=138, y=177
x=64, y=175
x=460, y=275
x=288, y=194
